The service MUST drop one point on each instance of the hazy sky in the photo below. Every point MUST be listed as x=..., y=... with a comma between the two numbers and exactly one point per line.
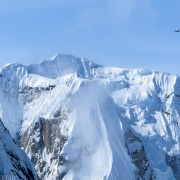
x=121, y=33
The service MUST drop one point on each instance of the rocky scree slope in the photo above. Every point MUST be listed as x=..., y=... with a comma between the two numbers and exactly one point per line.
x=79, y=120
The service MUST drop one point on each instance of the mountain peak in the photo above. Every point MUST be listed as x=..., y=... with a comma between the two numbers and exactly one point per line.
x=60, y=56
x=58, y=65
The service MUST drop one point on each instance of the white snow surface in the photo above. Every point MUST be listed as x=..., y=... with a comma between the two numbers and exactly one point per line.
x=101, y=104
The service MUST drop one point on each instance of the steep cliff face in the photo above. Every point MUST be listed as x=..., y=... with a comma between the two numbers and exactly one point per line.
x=79, y=120
x=138, y=154
x=41, y=140
x=67, y=137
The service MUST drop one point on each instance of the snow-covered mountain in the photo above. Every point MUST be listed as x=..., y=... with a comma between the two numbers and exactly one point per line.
x=77, y=120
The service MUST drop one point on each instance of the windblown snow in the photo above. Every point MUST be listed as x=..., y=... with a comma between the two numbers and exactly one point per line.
x=78, y=120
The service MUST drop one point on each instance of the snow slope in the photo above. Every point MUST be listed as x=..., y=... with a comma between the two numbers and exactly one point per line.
x=14, y=163
x=79, y=120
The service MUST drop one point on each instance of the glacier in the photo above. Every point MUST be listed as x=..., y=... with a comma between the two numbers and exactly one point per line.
x=78, y=120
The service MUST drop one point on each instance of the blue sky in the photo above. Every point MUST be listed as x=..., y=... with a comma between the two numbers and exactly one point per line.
x=121, y=33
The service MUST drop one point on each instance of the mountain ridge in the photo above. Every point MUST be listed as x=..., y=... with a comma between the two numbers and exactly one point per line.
x=81, y=120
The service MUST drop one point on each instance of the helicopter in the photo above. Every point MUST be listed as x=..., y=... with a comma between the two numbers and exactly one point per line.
x=177, y=30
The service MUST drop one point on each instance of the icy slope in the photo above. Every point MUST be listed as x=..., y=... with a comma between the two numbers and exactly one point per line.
x=14, y=163
x=83, y=130
x=79, y=120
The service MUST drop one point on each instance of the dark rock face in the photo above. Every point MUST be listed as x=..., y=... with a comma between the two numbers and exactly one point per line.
x=137, y=152
x=174, y=162
x=27, y=94
x=13, y=159
x=45, y=137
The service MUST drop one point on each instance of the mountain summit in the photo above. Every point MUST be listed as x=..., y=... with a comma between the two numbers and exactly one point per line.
x=76, y=119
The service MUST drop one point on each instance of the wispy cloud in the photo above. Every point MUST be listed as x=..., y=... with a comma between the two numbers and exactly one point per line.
x=121, y=10
x=124, y=10
x=111, y=11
